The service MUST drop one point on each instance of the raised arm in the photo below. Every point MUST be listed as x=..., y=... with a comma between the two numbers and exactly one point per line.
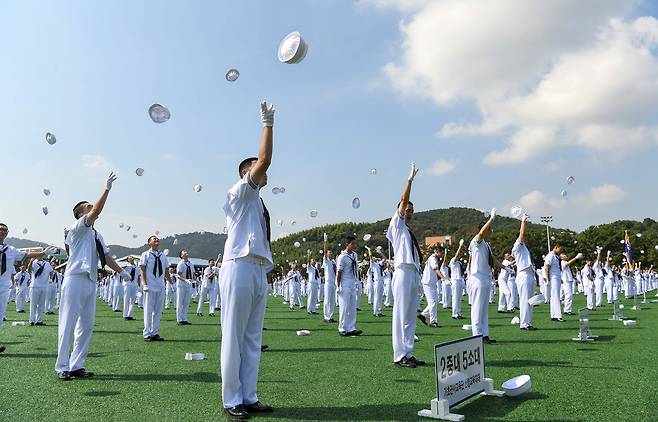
x=458, y=254
x=574, y=259
x=259, y=169
x=524, y=218
x=406, y=192
x=487, y=225
x=98, y=206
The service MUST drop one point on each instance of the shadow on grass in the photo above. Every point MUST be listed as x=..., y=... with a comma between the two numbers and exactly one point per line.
x=321, y=349
x=375, y=412
x=492, y=408
x=101, y=393
x=118, y=332
x=192, y=340
x=209, y=377
x=520, y=363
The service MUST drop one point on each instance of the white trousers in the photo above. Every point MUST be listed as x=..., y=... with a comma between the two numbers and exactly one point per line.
x=51, y=298
x=432, y=296
x=170, y=295
x=243, y=287
x=446, y=294
x=329, y=293
x=217, y=298
x=203, y=295
x=21, y=296
x=556, y=286
x=4, y=300
x=321, y=293
x=377, y=296
x=457, y=292
x=525, y=283
x=503, y=296
x=589, y=293
x=295, y=294
x=153, y=303
x=513, y=294
x=312, y=302
x=568, y=297
x=388, y=292
x=37, y=303
x=347, y=302
x=481, y=291
x=608, y=290
x=117, y=295
x=598, y=291
x=359, y=294
x=76, y=321
x=129, y=296
x=183, y=296
x=406, y=285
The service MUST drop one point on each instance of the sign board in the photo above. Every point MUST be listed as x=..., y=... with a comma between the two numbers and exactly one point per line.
x=459, y=374
x=459, y=369
x=636, y=303
x=585, y=334
x=617, y=313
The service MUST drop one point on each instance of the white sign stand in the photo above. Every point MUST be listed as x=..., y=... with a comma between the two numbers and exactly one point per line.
x=636, y=304
x=457, y=356
x=616, y=312
x=585, y=334
x=644, y=297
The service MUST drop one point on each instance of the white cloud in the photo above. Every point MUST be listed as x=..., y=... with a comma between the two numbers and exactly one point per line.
x=543, y=75
x=95, y=162
x=602, y=195
x=441, y=167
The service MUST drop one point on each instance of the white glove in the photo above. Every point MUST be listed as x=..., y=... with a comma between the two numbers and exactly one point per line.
x=145, y=288
x=608, y=253
x=267, y=114
x=110, y=179
x=50, y=250
x=493, y=214
x=125, y=276
x=367, y=248
x=326, y=238
x=461, y=242
x=413, y=171
x=525, y=217
x=580, y=255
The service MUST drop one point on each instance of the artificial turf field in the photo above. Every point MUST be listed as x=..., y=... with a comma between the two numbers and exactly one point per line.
x=324, y=377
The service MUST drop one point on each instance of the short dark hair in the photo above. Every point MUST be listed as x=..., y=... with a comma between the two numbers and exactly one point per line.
x=4, y=225
x=180, y=254
x=408, y=202
x=150, y=237
x=245, y=164
x=76, y=211
x=350, y=239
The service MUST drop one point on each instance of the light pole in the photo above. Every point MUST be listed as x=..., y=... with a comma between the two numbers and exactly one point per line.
x=547, y=219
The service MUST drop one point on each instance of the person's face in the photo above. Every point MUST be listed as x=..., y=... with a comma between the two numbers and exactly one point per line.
x=185, y=254
x=294, y=266
x=154, y=242
x=312, y=261
x=559, y=250
x=130, y=259
x=350, y=246
x=211, y=263
x=408, y=213
x=563, y=256
x=3, y=233
x=438, y=254
x=23, y=267
x=330, y=254
x=86, y=208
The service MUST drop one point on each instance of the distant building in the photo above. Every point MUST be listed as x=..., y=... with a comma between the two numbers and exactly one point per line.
x=437, y=240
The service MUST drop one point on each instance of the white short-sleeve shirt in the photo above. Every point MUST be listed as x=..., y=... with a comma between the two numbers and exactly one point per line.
x=456, y=269
x=521, y=255
x=245, y=220
x=400, y=237
x=553, y=262
x=11, y=256
x=44, y=269
x=480, y=254
x=148, y=261
x=83, y=256
x=567, y=274
x=429, y=272
x=183, y=267
x=348, y=265
x=313, y=274
x=329, y=269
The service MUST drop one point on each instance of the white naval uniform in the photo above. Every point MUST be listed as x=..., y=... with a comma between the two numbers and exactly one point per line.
x=130, y=291
x=217, y=299
x=457, y=285
x=406, y=286
x=51, y=296
x=587, y=275
x=429, y=282
x=171, y=291
x=78, y=296
x=598, y=283
x=388, y=287
x=446, y=287
x=377, y=286
x=329, y=287
x=608, y=282
x=117, y=292
x=347, y=264
x=513, y=302
x=504, y=295
x=313, y=286
x=552, y=260
x=243, y=287
x=39, y=289
x=11, y=255
x=481, y=281
x=525, y=281
x=567, y=287
x=154, y=296
x=22, y=279
x=295, y=286
x=184, y=290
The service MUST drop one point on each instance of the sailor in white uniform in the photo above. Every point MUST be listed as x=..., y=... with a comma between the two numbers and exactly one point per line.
x=184, y=277
x=40, y=270
x=553, y=276
x=525, y=278
x=347, y=278
x=130, y=289
x=21, y=279
x=457, y=281
x=329, y=266
x=567, y=281
x=86, y=249
x=377, y=284
x=406, y=278
x=153, y=265
x=480, y=276
x=313, y=286
x=430, y=281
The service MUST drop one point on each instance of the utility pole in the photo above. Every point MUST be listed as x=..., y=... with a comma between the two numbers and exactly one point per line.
x=547, y=219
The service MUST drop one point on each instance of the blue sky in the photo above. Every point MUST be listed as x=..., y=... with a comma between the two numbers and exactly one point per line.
x=88, y=71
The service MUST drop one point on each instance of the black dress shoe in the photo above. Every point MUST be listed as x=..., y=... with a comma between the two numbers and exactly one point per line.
x=157, y=338
x=31, y=323
x=487, y=340
x=237, y=412
x=264, y=347
x=64, y=376
x=405, y=363
x=211, y=314
x=422, y=318
x=355, y=333
x=342, y=333
x=2, y=349
x=258, y=407
x=199, y=314
x=434, y=325
x=40, y=323
x=417, y=362
x=81, y=373
x=148, y=338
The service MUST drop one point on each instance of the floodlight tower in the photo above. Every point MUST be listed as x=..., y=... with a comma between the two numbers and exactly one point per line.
x=547, y=219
